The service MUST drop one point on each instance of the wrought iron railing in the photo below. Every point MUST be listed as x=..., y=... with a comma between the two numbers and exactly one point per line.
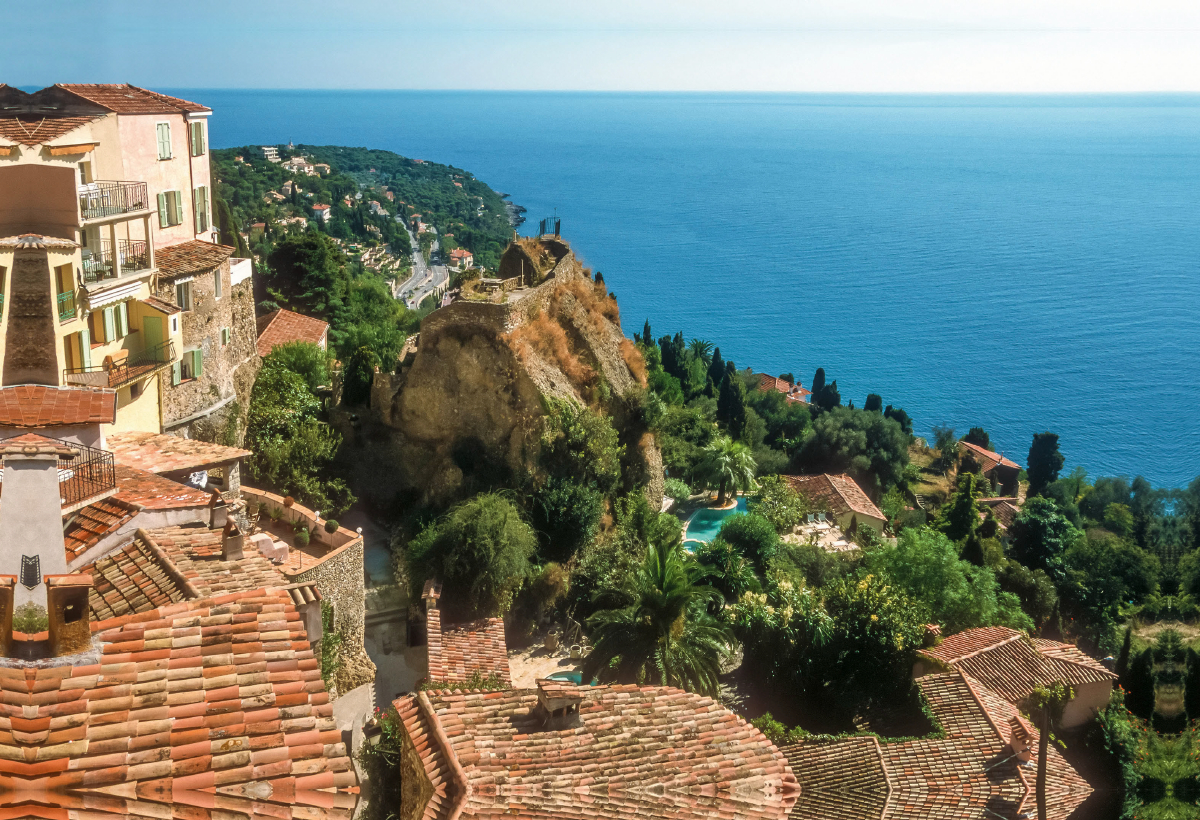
x=86, y=475
x=100, y=264
x=117, y=374
x=98, y=200
x=66, y=306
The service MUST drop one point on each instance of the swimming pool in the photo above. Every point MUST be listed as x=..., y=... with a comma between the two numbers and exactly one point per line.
x=571, y=677
x=704, y=524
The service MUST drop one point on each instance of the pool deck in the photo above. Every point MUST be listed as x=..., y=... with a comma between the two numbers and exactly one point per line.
x=737, y=505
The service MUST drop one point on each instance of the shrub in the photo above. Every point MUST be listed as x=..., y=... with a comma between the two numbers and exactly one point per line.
x=752, y=535
x=30, y=618
x=776, y=501
x=302, y=538
x=331, y=526
x=675, y=489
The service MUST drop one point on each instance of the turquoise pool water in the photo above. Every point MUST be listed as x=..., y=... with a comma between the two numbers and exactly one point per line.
x=573, y=677
x=704, y=524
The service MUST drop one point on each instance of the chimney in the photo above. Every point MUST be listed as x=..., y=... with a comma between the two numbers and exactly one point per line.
x=558, y=705
x=8, y=585
x=1021, y=738
x=218, y=512
x=430, y=594
x=69, y=614
x=232, y=542
x=31, y=525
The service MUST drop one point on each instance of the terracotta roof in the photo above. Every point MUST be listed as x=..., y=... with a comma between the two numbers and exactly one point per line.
x=36, y=405
x=131, y=581
x=972, y=772
x=987, y=459
x=1011, y=664
x=29, y=129
x=93, y=522
x=162, y=453
x=282, y=326
x=162, y=305
x=1004, y=510
x=767, y=383
x=192, y=256
x=123, y=98
x=630, y=753
x=34, y=241
x=839, y=492
x=220, y=696
x=457, y=651
x=195, y=553
x=147, y=491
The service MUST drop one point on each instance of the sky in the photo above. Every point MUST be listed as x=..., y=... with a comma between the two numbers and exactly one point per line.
x=639, y=45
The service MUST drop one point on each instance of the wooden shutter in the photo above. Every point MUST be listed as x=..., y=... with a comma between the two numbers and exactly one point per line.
x=110, y=325
x=164, y=140
x=217, y=283
x=201, y=202
x=121, y=313
x=197, y=363
x=176, y=373
x=204, y=205
x=163, y=216
x=224, y=336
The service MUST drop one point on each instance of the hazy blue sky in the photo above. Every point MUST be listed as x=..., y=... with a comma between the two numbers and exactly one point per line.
x=775, y=45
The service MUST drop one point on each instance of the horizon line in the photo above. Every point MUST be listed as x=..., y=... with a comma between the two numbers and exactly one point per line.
x=775, y=92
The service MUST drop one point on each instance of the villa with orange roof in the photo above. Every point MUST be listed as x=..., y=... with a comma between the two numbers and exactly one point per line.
x=1001, y=471
x=842, y=497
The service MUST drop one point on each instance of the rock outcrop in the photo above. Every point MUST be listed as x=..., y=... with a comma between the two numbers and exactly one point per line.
x=465, y=410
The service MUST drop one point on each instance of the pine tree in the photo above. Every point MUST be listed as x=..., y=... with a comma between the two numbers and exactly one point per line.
x=1044, y=462
x=731, y=403
x=647, y=339
x=716, y=368
x=874, y=403
x=1139, y=697
x=961, y=518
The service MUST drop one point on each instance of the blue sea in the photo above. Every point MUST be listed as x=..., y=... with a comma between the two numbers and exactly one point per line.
x=1019, y=263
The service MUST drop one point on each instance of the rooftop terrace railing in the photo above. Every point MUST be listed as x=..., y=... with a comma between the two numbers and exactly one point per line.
x=100, y=264
x=100, y=200
x=118, y=374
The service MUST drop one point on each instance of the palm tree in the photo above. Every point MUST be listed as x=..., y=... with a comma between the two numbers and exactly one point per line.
x=728, y=464
x=701, y=349
x=662, y=633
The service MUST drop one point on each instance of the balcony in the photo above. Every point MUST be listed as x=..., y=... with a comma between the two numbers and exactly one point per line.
x=84, y=477
x=119, y=373
x=66, y=306
x=109, y=262
x=106, y=200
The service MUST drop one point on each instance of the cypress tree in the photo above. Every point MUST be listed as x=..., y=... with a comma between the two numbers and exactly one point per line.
x=716, y=368
x=961, y=519
x=1044, y=462
x=1139, y=698
x=818, y=383
x=874, y=403
x=668, y=355
x=1191, y=685
x=731, y=403
x=1122, y=666
x=647, y=339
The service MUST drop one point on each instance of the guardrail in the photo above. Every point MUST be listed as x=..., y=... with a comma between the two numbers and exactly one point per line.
x=101, y=264
x=66, y=306
x=118, y=374
x=99, y=200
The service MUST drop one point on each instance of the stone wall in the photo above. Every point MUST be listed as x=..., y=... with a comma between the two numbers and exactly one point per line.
x=205, y=407
x=338, y=576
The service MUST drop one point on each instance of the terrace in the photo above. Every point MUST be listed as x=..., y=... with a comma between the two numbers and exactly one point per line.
x=112, y=260
x=117, y=374
x=103, y=200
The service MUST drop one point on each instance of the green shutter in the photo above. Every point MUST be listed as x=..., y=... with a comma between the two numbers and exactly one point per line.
x=122, y=313
x=197, y=363
x=204, y=204
x=163, y=216
x=85, y=346
x=164, y=140
x=176, y=373
x=178, y=207
x=110, y=325
x=197, y=138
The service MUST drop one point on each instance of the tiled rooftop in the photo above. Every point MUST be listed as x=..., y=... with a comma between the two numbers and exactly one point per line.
x=36, y=405
x=1011, y=664
x=162, y=453
x=123, y=98
x=987, y=459
x=147, y=491
x=93, y=522
x=130, y=581
x=456, y=651
x=840, y=493
x=220, y=697
x=195, y=552
x=632, y=753
x=970, y=773
x=283, y=326
x=193, y=256
x=31, y=130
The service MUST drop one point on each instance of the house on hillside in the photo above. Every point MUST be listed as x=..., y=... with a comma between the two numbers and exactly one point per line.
x=321, y=168
x=1012, y=664
x=983, y=767
x=282, y=326
x=461, y=258
x=1002, y=472
x=841, y=495
x=322, y=212
x=270, y=153
x=793, y=392
x=376, y=208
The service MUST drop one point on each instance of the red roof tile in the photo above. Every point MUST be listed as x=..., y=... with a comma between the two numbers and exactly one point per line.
x=36, y=405
x=987, y=459
x=162, y=453
x=629, y=753
x=457, y=651
x=31, y=130
x=282, y=326
x=123, y=98
x=93, y=522
x=146, y=491
x=971, y=772
x=1011, y=664
x=131, y=581
x=839, y=492
x=193, y=256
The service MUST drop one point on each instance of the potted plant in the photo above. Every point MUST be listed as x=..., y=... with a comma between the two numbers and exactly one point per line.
x=551, y=641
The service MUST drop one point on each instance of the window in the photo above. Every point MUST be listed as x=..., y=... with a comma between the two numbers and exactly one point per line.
x=170, y=208
x=197, y=129
x=174, y=324
x=224, y=336
x=110, y=323
x=135, y=390
x=217, y=282
x=183, y=295
x=164, y=140
x=200, y=200
x=190, y=366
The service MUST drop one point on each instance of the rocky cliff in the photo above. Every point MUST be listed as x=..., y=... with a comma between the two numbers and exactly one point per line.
x=465, y=410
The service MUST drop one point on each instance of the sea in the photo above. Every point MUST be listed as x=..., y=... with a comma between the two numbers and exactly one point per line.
x=1019, y=263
